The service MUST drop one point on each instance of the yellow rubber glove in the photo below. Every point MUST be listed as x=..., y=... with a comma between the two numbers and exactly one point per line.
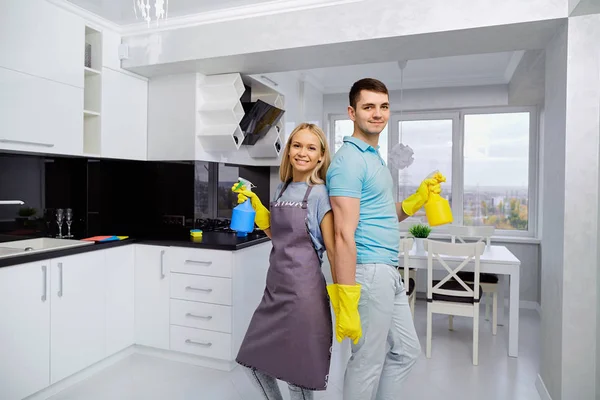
x=345, y=306
x=263, y=216
x=431, y=184
x=334, y=298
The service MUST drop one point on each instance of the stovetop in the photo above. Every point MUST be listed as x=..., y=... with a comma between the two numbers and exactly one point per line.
x=213, y=225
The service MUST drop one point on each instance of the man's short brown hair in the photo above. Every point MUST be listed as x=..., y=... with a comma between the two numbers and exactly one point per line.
x=369, y=84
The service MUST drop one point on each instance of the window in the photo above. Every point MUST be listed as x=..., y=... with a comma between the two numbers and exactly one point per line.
x=430, y=137
x=489, y=158
x=496, y=170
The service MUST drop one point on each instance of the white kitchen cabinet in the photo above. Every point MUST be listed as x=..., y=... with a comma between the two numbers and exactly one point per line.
x=38, y=115
x=43, y=40
x=152, y=279
x=124, y=116
x=78, y=313
x=24, y=330
x=120, y=307
x=110, y=49
x=214, y=294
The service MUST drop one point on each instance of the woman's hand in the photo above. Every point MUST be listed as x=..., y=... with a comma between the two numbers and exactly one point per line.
x=263, y=216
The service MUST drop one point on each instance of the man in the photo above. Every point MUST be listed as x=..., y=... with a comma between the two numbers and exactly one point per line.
x=369, y=297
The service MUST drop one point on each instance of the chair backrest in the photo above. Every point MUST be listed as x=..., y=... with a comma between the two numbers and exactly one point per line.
x=406, y=246
x=479, y=233
x=471, y=252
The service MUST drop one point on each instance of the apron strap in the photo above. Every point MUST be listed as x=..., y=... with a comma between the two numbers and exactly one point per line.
x=285, y=185
x=305, y=200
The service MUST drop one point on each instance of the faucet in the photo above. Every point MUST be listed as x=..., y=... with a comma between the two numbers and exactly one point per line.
x=12, y=202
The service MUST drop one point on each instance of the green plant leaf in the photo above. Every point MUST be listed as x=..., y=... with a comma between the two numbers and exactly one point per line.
x=420, y=231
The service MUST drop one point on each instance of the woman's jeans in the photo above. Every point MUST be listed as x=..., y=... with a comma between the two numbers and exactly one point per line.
x=267, y=386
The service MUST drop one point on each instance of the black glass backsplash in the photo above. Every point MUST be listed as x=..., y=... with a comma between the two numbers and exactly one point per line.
x=117, y=197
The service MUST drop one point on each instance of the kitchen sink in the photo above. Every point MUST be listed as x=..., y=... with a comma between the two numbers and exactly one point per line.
x=38, y=245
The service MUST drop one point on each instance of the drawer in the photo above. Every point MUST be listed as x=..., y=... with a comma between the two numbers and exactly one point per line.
x=200, y=262
x=206, y=289
x=201, y=343
x=201, y=315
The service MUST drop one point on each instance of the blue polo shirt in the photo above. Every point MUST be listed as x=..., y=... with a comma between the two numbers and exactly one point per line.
x=358, y=171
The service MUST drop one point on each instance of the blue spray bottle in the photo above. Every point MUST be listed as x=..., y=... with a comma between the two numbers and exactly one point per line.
x=242, y=217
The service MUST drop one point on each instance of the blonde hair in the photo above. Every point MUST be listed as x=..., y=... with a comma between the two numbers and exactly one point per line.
x=318, y=174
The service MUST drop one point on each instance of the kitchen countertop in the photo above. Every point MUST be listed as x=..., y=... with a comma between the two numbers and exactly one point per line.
x=210, y=240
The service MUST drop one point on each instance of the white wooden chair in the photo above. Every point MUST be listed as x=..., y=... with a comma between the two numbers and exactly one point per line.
x=410, y=285
x=451, y=295
x=488, y=282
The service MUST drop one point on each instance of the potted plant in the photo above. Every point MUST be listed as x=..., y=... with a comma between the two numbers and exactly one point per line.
x=24, y=215
x=420, y=232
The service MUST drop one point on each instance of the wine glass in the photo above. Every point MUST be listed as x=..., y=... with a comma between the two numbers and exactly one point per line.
x=59, y=221
x=69, y=220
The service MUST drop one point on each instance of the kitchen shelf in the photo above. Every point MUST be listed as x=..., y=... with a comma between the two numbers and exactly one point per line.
x=221, y=137
x=92, y=94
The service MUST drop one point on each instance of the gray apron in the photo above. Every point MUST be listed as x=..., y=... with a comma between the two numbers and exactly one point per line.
x=290, y=334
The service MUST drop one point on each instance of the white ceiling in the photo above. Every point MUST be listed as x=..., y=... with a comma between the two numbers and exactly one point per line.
x=469, y=70
x=122, y=12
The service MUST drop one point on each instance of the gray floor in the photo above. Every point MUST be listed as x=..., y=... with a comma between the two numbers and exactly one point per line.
x=449, y=374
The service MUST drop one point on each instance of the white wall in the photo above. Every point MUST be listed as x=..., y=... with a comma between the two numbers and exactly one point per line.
x=553, y=213
x=526, y=86
x=582, y=166
x=313, y=104
x=571, y=229
x=598, y=292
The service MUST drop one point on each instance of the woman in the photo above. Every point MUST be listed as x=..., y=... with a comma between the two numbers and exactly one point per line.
x=290, y=334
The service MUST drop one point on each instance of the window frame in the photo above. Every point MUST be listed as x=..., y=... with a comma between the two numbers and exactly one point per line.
x=458, y=137
x=394, y=135
x=331, y=127
x=534, y=166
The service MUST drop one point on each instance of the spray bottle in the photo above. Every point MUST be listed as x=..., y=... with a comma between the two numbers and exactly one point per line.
x=438, y=210
x=242, y=217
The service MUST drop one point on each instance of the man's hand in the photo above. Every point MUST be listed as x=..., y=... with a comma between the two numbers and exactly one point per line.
x=430, y=185
x=263, y=216
x=344, y=300
x=345, y=294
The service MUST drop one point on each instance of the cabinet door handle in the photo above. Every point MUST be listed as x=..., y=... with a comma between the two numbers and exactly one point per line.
x=198, y=289
x=26, y=142
x=45, y=286
x=162, y=264
x=60, y=279
x=188, y=341
x=207, y=263
x=207, y=317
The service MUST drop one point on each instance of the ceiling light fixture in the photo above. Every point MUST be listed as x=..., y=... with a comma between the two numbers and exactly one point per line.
x=161, y=10
x=401, y=155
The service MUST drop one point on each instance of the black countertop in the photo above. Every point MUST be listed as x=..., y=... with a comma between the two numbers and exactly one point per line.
x=210, y=240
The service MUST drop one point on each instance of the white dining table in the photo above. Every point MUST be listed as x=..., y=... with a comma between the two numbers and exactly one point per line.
x=495, y=260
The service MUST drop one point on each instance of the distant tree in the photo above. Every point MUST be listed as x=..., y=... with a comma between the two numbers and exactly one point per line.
x=514, y=216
